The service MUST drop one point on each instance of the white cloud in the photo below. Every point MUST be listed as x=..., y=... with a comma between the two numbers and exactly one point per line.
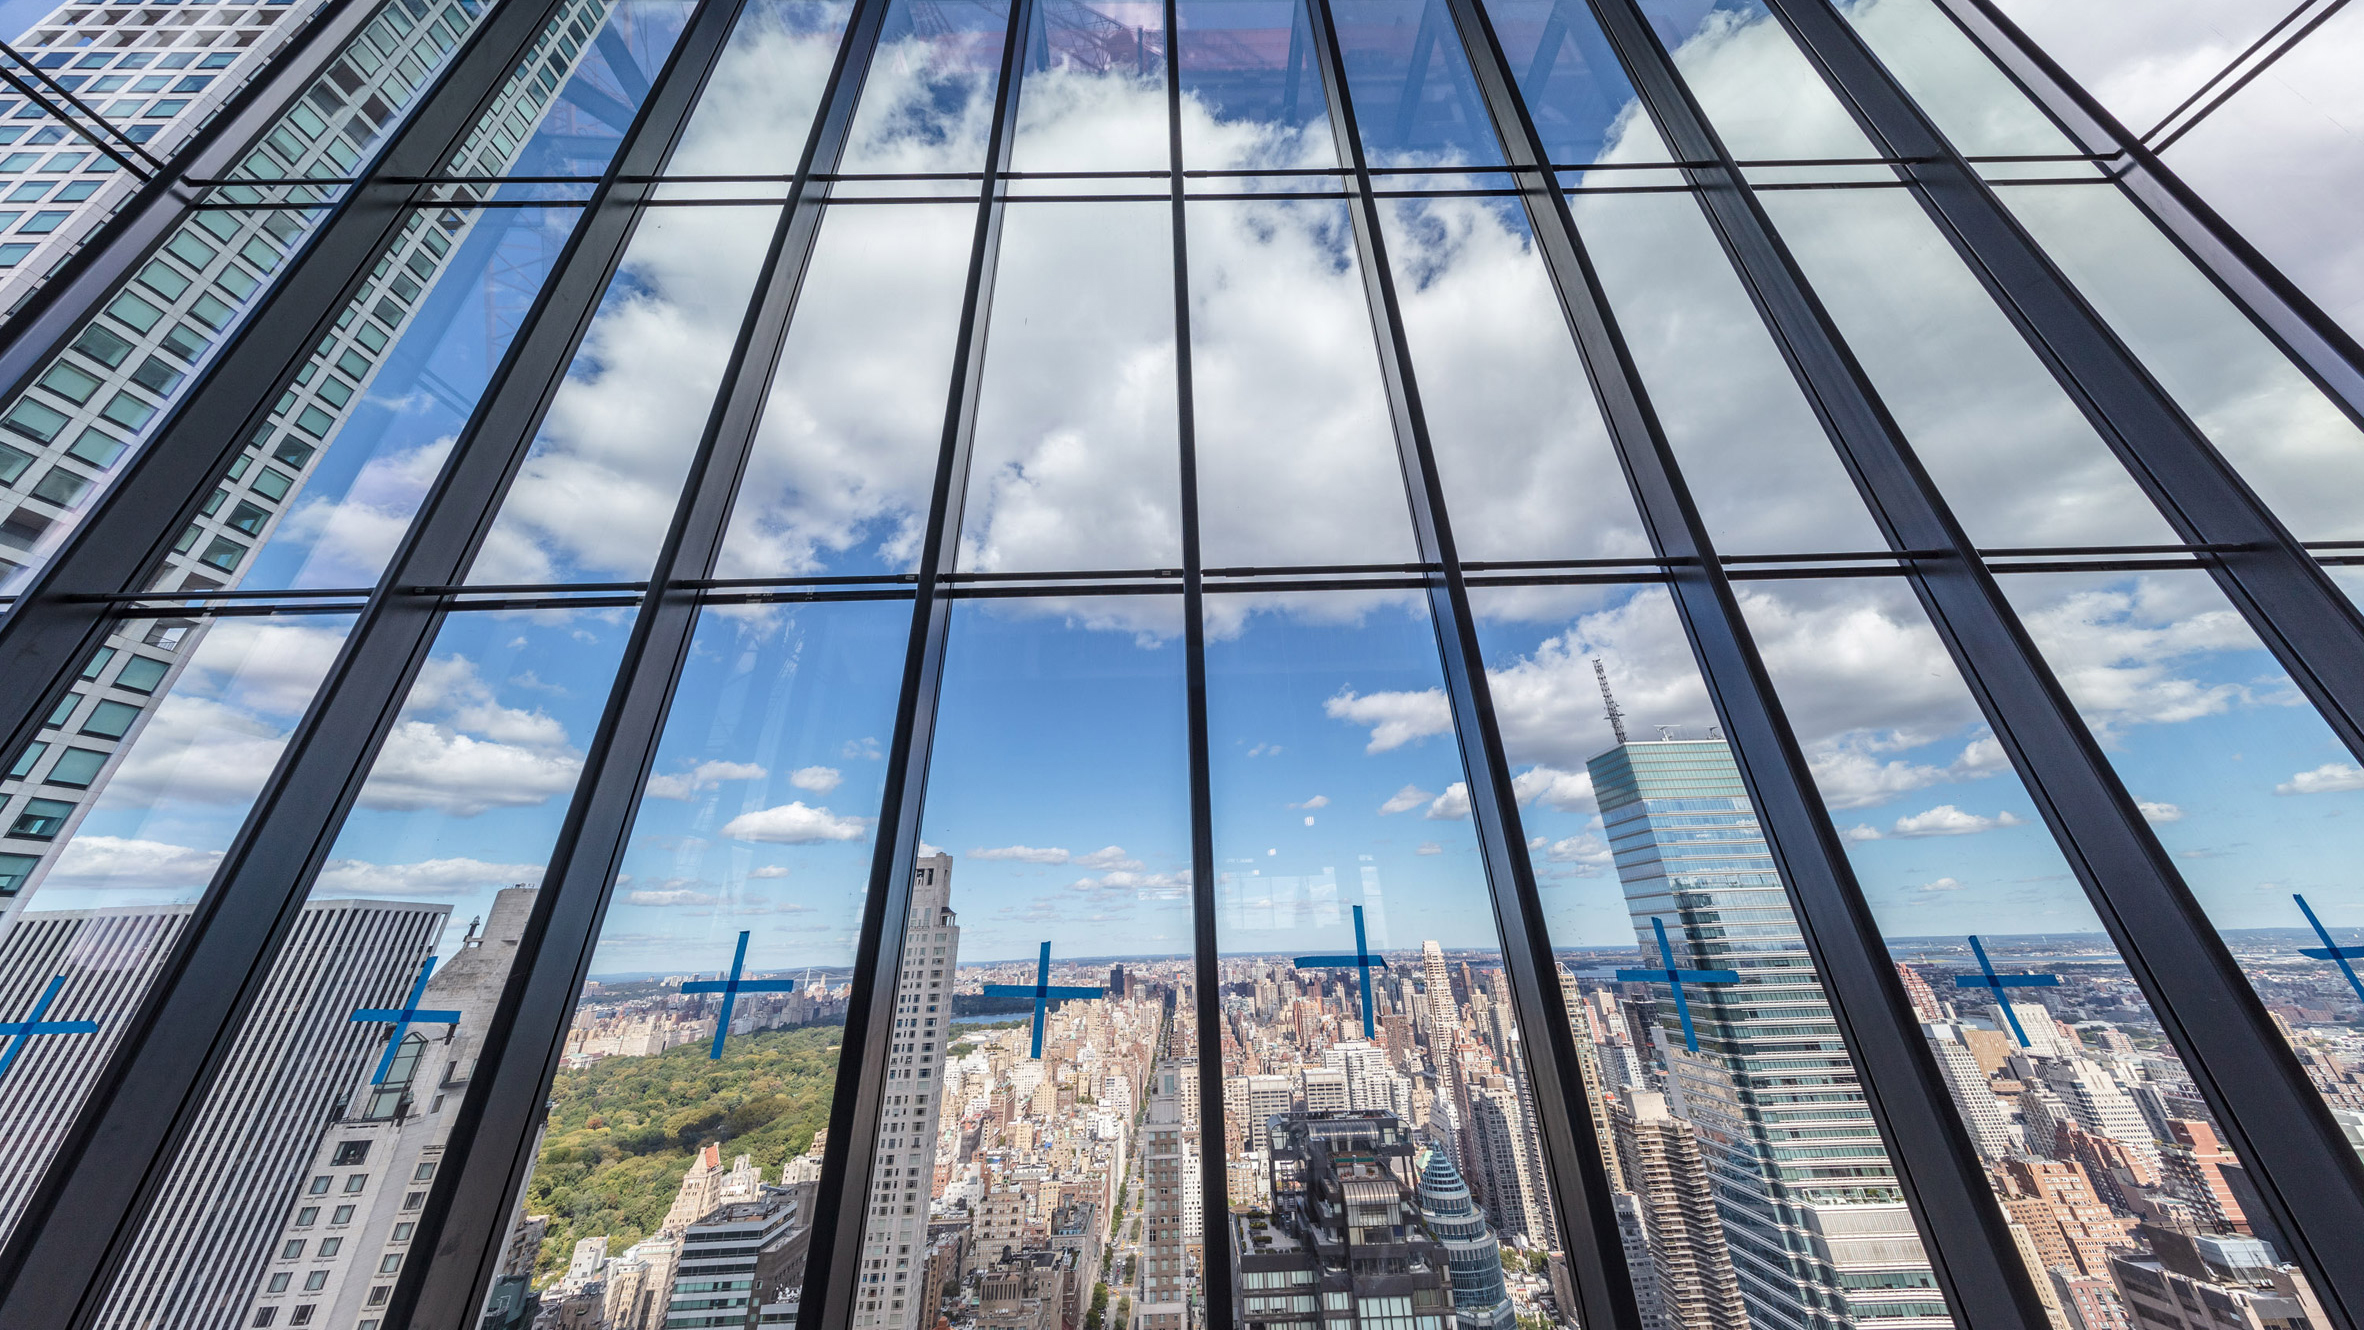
x=868, y=750
x=769, y=871
x=353, y=535
x=705, y=776
x=1568, y=791
x=2329, y=778
x=2155, y=811
x=1450, y=806
x=426, y=766
x=124, y=862
x=359, y=877
x=672, y=896
x=819, y=780
x=1947, y=820
x=794, y=824
x=1941, y=884
x=1317, y=801
x=1112, y=856
x=1428, y=847
x=1587, y=852
x=1406, y=799
x=1395, y=719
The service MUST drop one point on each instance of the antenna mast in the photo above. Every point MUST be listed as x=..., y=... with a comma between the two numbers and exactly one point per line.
x=1616, y=717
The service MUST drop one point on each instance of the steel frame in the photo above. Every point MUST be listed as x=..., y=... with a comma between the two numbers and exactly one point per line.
x=55, y=1267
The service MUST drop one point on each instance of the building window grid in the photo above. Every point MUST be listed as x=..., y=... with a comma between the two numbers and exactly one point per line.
x=1637, y=572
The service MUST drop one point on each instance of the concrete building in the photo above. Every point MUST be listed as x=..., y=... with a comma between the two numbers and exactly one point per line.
x=1161, y=1300
x=1690, y=1265
x=895, y=1246
x=1344, y=1240
x=742, y=1265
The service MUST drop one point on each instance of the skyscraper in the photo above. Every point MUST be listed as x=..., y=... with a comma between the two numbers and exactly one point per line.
x=894, y=1246
x=1690, y=1267
x=1437, y=985
x=1163, y=1301
x=1344, y=1232
x=1474, y=1254
x=1770, y=1065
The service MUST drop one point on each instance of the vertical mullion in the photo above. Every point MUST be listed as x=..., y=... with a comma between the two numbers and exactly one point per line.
x=118, y=1152
x=2313, y=630
x=847, y=1168
x=1937, y=1166
x=1214, y=1153
x=466, y=1221
x=56, y=622
x=2313, y=340
x=2309, y=1179
x=1572, y=1156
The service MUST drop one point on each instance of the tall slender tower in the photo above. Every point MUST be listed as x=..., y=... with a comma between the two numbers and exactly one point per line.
x=1770, y=1066
x=1690, y=1264
x=1480, y=1300
x=1443, y=1019
x=894, y=1249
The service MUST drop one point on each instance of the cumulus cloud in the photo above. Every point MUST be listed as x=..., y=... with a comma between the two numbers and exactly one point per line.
x=769, y=871
x=126, y=862
x=1941, y=884
x=794, y=824
x=1406, y=799
x=360, y=877
x=1947, y=820
x=705, y=776
x=2329, y=778
x=1428, y=847
x=457, y=750
x=2155, y=811
x=1586, y=854
x=1395, y=719
x=1112, y=856
x=1450, y=806
x=1317, y=801
x=819, y=780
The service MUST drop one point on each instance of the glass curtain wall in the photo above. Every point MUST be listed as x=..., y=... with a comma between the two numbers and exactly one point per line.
x=1020, y=663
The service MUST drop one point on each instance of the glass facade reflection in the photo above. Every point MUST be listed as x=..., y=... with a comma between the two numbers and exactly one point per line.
x=1297, y=664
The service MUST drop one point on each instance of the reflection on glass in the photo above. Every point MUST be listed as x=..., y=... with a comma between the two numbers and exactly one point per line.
x=760, y=99
x=119, y=831
x=1765, y=477
x=1296, y=452
x=1075, y=462
x=1038, y=1140
x=2107, y=1161
x=846, y=451
x=596, y=493
x=927, y=104
x=1718, y=1075
x=1761, y=96
x=2239, y=778
x=2301, y=454
x=675, y=1146
x=1517, y=434
x=1380, y=1139
x=315, y=1146
x=1251, y=90
x=1095, y=95
x=1415, y=102
x=1575, y=91
x=1973, y=103
x=2008, y=449
x=601, y=63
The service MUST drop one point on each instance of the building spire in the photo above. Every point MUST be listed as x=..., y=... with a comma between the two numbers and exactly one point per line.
x=1616, y=717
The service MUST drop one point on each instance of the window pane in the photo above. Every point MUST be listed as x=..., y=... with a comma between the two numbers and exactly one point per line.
x=2012, y=454
x=1282, y=353
x=596, y=493
x=1765, y=477
x=1764, y=100
x=1415, y=101
x=2108, y=1163
x=1364, y=1104
x=118, y=866
x=1575, y=90
x=1056, y=852
x=1095, y=97
x=367, y=1029
x=1075, y=463
x=761, y=97
x=1251, y=92
x=845, y=456
x=1742, y=1137
x=927, y=104
x=2241, y=781
x=750, y=859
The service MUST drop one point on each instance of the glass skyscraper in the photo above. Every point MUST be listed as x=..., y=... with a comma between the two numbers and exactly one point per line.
x=537, y=535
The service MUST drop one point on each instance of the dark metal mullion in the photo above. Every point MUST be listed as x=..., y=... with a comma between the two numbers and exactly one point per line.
x=17, y=81
x=124, y=541
x=60, y=306
x=1937, y=1165
x=2309, y=1179
x=1572, y=1158
x=118, y=1153
x=467, y=1219
x=2324, y=350
x=2289, y=44
x=2314, y=631
x=1214, y=1131
x=848, y=1167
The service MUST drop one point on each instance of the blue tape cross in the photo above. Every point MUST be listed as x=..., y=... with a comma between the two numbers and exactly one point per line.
x=1676, y=978
x=1999, y=982
x=2329, y=951
x=730, y=989
x=20, y=1033
x=1044, y=993
x=402, y=1018
x=1362, y=962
